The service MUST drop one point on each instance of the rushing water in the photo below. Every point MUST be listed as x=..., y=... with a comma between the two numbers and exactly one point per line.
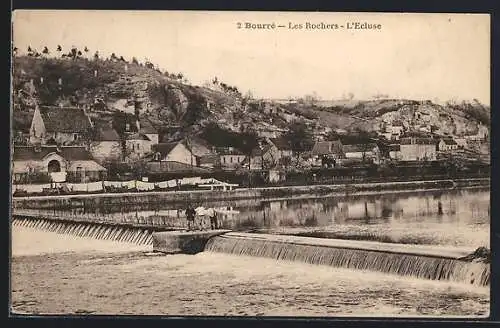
x=63, y=274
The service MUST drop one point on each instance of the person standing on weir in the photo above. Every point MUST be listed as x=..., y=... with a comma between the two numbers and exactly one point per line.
x=213, y=219
x=190, y=213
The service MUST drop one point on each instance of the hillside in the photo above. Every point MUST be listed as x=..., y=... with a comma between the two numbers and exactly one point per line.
x=167, y=99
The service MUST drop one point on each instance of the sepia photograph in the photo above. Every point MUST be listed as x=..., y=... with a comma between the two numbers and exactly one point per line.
x=232, y=163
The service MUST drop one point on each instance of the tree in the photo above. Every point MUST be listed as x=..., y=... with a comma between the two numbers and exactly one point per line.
x=45, y=50
x=96, y=55
x=74, y=53
x=113, y=56
x=14, y=51
x=299, y=137
x=59, y=48
x=249, y=141
x=86, y=49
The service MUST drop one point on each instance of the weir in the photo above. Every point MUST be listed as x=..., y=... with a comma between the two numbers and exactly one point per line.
x=420, y=261
x=435, y=263
x=104, y=231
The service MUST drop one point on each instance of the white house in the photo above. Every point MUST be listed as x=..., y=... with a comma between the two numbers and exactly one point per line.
x=418, y=148
x=106, y=145
x=137, y=145
x=173, y=152
x=447, y=144
x=42, y=161
x=230, y=157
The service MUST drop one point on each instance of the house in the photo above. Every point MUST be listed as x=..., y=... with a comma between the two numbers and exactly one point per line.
x=265, y=156
x=209, y=161
x=106, y=145
x=63, y=126
x=137, y=145
x=331, y=149
x=394, y=152
x=461, y=142
x=447, y=144
x=362, y=151
x=171, y=157
x=284, y=147
x=37, y=164
x=145, y=127
x=418, y=147
x=230, y=158
x=173, y=152
x=396, y=128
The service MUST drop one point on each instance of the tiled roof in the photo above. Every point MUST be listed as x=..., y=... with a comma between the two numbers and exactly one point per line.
x=70, y=120
x=449, y=141
x=418, y=141
x=358, y=148
x=164, y=148
x=261, y=151
x=107, y=134
x=70, y=153
x=138, y=136
x=174, y=167
x=229, y=151
x=146, y=126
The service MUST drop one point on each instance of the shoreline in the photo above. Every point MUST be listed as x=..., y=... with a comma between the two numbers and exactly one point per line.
x=247, y=193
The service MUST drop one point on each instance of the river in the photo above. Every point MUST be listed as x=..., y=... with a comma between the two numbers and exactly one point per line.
x=61, y=274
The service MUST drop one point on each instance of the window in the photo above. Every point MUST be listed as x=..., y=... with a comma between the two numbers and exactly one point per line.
x=231, y=159
x=75, y=136
x=138, y=146
x=224, y=160
x=157, y=156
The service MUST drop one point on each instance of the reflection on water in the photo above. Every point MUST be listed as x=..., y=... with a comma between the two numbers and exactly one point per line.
x=458, y=207
x=452, y=213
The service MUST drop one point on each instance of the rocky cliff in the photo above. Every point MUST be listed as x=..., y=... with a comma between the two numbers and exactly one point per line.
x=114, y=85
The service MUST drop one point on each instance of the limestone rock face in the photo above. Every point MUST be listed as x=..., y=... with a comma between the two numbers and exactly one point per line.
x=176, y=101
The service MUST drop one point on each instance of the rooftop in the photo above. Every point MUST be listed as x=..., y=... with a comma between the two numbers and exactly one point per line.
x=69, y=120
x=71, y=153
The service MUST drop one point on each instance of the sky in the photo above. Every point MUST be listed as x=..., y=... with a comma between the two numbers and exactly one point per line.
x=419, y=56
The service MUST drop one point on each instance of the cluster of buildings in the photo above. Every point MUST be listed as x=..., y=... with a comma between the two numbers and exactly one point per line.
x=82, y=146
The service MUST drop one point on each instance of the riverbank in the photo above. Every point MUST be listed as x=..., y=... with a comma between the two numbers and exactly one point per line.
x=154, y=197
x=141, y=283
